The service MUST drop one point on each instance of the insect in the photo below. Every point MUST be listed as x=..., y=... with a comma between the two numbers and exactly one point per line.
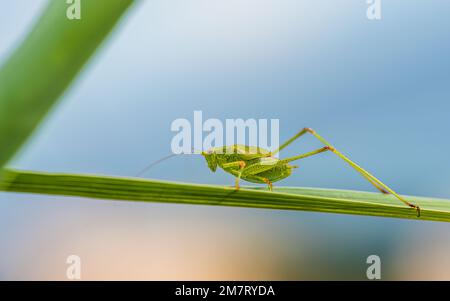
x=257, y=165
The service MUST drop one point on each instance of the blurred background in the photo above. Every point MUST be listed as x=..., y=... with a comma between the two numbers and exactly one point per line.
x=378, y=90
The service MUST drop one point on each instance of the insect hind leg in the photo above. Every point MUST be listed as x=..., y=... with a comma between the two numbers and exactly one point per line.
x=368, y=176
x=265, y=180
x=269, y=184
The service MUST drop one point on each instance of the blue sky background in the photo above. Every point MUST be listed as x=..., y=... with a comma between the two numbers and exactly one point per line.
x=378, y=90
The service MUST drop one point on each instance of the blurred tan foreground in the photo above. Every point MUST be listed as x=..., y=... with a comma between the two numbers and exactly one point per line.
x=135, y=241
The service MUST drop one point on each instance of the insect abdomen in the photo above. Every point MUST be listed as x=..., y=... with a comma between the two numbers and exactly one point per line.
x=279, y=172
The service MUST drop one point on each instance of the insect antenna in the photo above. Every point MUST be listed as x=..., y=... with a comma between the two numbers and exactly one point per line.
x=148, y=167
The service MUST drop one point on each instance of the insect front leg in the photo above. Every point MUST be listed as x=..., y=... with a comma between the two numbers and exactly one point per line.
x=241, y=165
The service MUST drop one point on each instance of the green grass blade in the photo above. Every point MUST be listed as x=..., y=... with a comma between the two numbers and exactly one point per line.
x=46, y=62
x=307, y=199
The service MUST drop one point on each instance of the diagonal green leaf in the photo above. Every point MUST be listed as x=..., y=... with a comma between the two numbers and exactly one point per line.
x=45, y=64
x=307, y=199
